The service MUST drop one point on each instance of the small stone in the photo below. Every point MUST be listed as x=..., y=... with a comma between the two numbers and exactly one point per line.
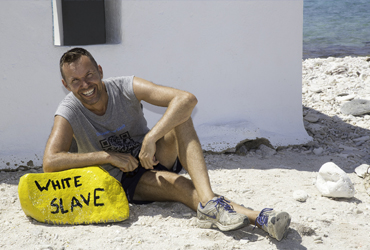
x=316, y=88
x=337, y=69
x=362, y=139
x=356, y=107
x=362, y=170
x=345, y=98
x=310, y=117
x=244, y=241
x=318, y=242
x=300, y=195
x=305, y=230
x=243, y=150
x=358, y=211
x=318, y=151
x=266, y=151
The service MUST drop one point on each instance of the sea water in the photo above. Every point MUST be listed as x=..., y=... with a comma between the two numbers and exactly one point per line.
x=336, y=28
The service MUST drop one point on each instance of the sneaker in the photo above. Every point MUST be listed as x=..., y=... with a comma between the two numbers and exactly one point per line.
x=219, y=213
x=276, y=224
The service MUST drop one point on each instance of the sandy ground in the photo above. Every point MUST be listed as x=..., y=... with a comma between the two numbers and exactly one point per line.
x=254, y=180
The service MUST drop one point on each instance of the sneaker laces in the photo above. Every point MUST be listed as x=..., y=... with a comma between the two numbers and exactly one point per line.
x=262, y=218
x=224, y=203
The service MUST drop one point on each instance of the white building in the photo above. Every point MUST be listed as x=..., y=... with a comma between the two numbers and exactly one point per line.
x=242, y=59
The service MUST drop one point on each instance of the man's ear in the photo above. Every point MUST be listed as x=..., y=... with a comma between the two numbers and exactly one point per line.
x=100, y=71
x=66, y=85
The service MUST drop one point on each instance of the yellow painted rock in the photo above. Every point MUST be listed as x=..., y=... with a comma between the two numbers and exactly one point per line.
x=76, y=196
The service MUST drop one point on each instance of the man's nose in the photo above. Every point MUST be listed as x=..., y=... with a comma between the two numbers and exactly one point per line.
x=84, y=83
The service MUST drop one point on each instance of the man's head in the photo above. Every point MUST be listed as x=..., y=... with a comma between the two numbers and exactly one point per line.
x=83, y=76
x=73, y=55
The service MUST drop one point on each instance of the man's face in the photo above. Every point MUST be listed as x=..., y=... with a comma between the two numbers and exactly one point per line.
x=84, y=80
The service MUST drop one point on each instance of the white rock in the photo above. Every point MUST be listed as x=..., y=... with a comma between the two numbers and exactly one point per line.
x=318, y=151
x=337, y=69
x=244, y=241
x=316, y=88
x=362, y=170
x=332, y=181
x=346, y=98
x=300, y=195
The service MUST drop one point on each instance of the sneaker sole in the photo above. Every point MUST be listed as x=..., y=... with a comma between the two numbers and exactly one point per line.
x=208, y=225
x=281, y=225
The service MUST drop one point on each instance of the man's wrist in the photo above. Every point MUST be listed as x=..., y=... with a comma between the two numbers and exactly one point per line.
x=150, y=138
x=104, y=157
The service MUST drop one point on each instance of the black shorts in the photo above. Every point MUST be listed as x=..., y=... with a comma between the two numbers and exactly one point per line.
x=130, y=180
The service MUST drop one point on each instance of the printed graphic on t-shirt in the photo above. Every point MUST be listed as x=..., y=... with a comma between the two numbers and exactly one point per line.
x=122, y=144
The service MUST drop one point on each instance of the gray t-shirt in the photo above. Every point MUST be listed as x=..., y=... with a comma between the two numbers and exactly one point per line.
x=121, y=129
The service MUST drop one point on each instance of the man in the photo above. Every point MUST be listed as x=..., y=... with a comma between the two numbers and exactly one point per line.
x=106, y=120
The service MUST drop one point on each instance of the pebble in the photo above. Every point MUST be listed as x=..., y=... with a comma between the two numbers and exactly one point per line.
x=266, y=151
x=310, y=117
x=318, y=240
x=300, y=195
x=318, y=151
x=244, y=241
x=362, y=170
x=346, y=97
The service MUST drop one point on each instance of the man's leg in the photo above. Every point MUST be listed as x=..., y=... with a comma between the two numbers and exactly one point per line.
x=191, y=157
x=183, y=143
x=166, y=186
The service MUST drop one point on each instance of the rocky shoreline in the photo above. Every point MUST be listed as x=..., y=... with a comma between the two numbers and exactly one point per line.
x=327, y=85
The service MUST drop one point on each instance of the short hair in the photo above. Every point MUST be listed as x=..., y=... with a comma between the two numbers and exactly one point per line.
x=73, y=55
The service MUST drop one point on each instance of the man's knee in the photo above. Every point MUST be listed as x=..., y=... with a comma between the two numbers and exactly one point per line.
x=166, y=152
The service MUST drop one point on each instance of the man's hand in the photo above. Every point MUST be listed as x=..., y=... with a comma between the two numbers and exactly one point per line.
x=147, y=153
x=125, y=162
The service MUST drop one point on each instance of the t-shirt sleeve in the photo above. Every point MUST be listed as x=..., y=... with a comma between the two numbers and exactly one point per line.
x=66, y=109
x=125, y=85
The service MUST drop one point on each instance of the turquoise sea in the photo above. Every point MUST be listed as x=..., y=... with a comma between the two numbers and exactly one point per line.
x=336, y=28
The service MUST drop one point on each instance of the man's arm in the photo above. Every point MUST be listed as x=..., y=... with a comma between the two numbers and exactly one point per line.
x=57, y=158
x=180, y=105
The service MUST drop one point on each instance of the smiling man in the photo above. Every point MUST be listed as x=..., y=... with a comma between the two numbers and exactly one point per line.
x=105, y=118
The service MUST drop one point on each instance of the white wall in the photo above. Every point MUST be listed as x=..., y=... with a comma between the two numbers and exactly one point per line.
x=242, y=59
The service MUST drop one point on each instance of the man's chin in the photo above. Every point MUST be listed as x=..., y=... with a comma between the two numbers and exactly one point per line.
x=88, y=102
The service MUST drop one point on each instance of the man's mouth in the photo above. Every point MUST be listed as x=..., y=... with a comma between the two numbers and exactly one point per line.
x=88, y=92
